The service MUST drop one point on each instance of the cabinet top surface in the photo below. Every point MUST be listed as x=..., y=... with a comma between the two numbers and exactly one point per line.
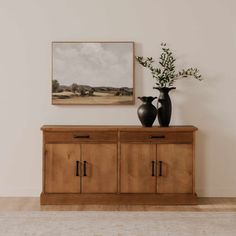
x=68, y=128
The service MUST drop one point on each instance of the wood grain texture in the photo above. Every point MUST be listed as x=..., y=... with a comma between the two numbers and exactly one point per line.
x=101, y=168
x=80, y=137
x=193, y=163
x=156, y=137
x=114, y=199
x=119, y=162
x=136, y=168
x=60, y=168
x=177, y=172
x=75, y=128
x=69, y=128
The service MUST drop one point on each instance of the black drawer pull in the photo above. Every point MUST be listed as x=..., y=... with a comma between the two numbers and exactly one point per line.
x=81, y=136
x=157, y=136
x=85, y=168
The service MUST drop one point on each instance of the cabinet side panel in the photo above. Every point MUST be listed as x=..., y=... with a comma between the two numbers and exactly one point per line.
x=177, y=168
x=60, y=168
x=194, y=156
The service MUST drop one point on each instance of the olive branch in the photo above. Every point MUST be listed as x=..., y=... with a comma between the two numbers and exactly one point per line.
x=166, y=75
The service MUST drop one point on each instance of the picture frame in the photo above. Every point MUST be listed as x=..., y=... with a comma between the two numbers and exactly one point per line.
x=93, y=73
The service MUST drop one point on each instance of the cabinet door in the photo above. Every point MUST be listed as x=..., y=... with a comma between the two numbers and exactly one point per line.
x=137, y=167
x=62, y=168
x=177, y=168
x=100, y=164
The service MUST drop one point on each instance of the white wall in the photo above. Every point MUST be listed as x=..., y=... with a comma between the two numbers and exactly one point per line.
x=202, y=33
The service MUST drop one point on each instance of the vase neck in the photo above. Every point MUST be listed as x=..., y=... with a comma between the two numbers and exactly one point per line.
x=147, y=99
x=164, y=89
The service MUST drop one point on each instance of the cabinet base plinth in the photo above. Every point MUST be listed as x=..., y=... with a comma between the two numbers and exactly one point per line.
x=118, y=199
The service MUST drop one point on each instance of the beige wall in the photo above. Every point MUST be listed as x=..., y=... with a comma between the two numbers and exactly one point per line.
x=201, y=32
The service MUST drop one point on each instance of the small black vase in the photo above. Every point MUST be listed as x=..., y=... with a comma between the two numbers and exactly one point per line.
x=147, y=112
x=164, y=106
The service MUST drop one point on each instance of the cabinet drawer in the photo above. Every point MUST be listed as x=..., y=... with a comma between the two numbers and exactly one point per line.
x=157, y=137
x=80, y=137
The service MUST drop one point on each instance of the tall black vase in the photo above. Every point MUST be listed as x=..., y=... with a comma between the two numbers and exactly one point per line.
x=147, y=112
x=164, y=106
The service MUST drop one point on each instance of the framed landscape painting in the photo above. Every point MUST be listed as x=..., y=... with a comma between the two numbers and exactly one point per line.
x=92, y=73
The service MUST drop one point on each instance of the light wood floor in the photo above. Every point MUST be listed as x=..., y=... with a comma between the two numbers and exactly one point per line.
x=32, y=204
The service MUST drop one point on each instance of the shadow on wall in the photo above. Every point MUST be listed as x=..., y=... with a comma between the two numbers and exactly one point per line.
x=190, y=109
x=199, y=105
x=215, y=150
x=138, y=73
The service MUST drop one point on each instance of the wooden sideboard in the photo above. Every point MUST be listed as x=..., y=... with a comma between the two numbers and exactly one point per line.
x=118, y=165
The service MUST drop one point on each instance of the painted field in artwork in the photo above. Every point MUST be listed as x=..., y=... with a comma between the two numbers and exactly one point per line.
x=64, y=98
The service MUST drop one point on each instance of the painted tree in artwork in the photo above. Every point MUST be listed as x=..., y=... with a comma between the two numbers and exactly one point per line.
x=55, y=86
x=74, y=87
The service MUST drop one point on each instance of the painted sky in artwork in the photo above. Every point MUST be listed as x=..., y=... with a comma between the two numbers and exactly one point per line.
x=93, y=64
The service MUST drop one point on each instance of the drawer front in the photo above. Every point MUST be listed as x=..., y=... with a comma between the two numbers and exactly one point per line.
x=157, y=137
x=80, y=137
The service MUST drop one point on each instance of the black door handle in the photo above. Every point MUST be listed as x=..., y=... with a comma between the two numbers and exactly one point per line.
x=77, y=168
x=153, y=168
x=85, y=168
x=160, y=168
